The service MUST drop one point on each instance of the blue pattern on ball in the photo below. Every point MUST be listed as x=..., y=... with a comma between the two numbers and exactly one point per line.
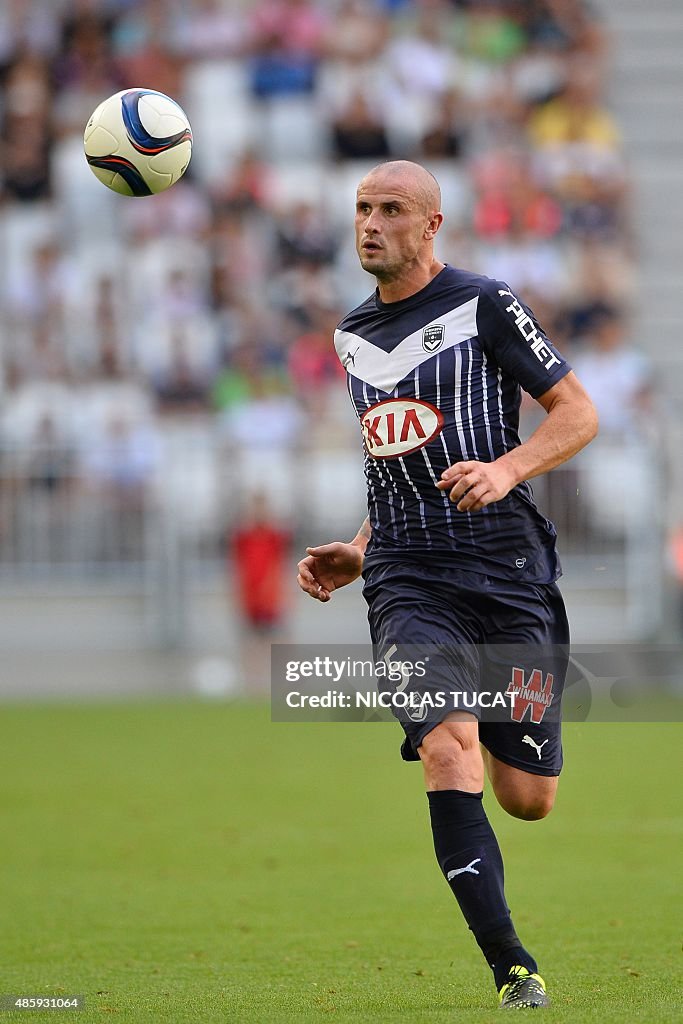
x=130, y=174
x=137, y=133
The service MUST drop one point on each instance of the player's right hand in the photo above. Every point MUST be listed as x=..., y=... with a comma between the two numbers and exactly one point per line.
x=329, y=567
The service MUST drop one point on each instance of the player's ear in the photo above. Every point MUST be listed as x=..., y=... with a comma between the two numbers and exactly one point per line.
x=434, y=223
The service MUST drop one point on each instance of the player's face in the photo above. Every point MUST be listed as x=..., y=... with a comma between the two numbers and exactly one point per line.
x=391, y=230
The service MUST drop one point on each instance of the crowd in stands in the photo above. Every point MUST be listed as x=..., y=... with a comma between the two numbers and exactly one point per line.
x=130, y=324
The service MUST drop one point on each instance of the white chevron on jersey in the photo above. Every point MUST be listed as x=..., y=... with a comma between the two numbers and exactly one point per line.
x=384, y=370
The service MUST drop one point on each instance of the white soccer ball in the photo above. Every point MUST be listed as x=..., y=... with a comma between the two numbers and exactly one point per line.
x=138, y=142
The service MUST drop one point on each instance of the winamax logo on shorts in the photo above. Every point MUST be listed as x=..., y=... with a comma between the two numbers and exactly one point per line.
x=536, y=694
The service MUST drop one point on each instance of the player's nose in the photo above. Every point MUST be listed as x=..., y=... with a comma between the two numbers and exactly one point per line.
x=372, y=225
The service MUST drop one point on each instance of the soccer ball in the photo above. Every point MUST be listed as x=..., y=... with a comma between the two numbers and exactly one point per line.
x=138, y=142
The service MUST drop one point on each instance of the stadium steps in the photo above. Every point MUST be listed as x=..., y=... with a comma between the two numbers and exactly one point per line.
x=645, y=85
x=645, y=89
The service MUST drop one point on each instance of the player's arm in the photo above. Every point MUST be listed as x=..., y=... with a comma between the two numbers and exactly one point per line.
x=328, y=567
x=571, y=423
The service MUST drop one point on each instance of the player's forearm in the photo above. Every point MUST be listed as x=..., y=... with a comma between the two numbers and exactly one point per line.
x=568, y=427
x=363, y=536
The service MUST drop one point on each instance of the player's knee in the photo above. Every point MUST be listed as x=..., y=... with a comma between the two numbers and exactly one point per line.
x=441, y=758
x=450, y=758
x=532, y=807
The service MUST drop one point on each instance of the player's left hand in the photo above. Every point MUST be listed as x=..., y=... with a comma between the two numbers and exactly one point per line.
x=473, y=485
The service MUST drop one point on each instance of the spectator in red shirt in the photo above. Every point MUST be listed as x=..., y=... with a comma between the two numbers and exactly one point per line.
x=259, y=550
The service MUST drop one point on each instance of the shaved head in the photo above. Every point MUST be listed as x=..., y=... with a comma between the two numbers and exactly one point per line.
x=415, y=179
x=398, y=213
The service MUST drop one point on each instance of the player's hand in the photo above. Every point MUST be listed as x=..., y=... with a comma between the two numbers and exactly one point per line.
x=329, y=567
x=473, y=485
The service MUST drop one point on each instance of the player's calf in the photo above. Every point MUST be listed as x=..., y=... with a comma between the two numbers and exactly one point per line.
x=469, y=857
x=466, y=847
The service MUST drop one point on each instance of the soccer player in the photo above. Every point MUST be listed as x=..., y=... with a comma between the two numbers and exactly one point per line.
x=454, y=551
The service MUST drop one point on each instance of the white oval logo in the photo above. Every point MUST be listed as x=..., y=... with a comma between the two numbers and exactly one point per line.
x=399, y=426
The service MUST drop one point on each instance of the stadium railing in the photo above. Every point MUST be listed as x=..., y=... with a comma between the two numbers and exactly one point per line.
x=162, y=543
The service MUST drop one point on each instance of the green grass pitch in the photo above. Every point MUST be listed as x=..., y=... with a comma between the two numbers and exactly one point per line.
x=187, y=861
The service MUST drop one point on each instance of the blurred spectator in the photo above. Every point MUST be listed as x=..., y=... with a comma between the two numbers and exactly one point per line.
x=526, y=262
x=358, y=130
x=243, y=247
x=510, y=202
x=117, y=465
x=266, y=421
x=594, y=208
x=155, y=66
x=210, y=28
x=259, y=546
x=26, y=83
x=184, y=351
x=119, y=460
x=258, y=574
x=50, y=462
x=493, y=32
x=619, y=474
x=85, y=70
x=31, y=25
x=304, y=236
x=358, y=33
x=44, y=357
x=675, y=559
x=574, y=133
x=602, y=278
x=287, y=42
x=295, y=290
x=313, y=364
x=618, y=378
x=39, y=288
x=446, y=135
x=356, y=94
x=111, y=389
x=233, y=385
x=181, y=387
x=570, y=25
x=262, y=436
x=246, y=186
x=257, y=352
x=423, y=69
x=26, y=172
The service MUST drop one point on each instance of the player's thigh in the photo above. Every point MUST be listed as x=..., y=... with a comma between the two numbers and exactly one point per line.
x=521, y=793
x=412, y=621
x=526, y=659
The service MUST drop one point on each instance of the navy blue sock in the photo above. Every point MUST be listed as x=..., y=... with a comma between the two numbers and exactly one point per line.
x=469, y=856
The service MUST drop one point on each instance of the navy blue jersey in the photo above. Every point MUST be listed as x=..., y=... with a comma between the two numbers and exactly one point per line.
x=435, y=379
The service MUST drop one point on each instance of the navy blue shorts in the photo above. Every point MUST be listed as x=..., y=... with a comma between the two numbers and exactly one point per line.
x=491, y=636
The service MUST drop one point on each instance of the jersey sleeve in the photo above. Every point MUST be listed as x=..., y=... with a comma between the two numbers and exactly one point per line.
x=512, y=335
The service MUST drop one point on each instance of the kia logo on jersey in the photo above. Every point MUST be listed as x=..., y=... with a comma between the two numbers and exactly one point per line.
x=399, y=426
